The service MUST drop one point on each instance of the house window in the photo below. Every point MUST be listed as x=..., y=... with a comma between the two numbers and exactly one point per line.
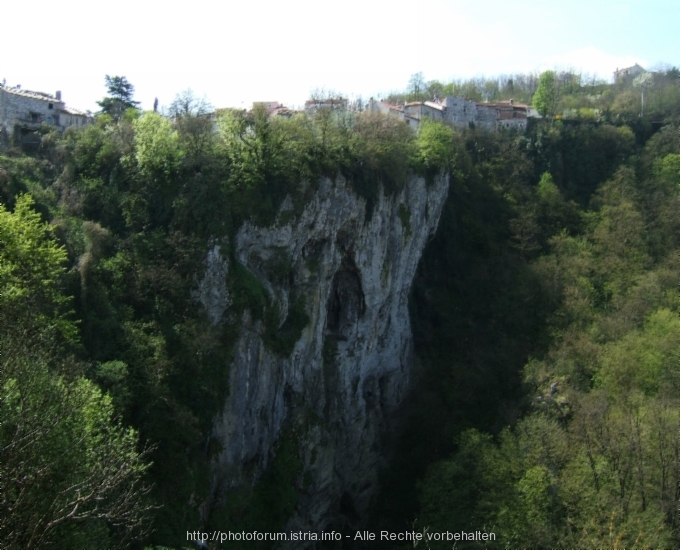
x=50, y=105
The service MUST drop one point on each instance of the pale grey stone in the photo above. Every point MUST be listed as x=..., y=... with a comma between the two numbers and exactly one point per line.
x=356, y=273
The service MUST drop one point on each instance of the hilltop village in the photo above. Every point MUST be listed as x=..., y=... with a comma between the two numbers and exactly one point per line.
x=457, y=111
x=22, y=112
x=313, y=318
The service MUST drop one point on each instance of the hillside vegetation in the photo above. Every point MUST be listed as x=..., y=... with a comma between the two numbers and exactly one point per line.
x=545, y=316
x=547, y=333
x=104, y=233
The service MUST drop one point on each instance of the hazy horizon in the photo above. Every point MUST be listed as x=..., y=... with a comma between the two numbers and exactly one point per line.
x=234, y=55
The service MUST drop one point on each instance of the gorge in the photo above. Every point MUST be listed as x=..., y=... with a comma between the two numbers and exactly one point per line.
x=350, y=368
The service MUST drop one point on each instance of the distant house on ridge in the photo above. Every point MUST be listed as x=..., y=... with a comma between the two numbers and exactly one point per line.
x=628, y=72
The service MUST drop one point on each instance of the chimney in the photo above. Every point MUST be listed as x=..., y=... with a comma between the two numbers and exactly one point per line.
x=58, y=95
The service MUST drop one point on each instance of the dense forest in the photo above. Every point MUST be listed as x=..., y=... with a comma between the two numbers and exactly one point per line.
x=545, y=392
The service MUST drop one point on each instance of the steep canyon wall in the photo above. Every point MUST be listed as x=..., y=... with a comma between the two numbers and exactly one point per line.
x=350, y=368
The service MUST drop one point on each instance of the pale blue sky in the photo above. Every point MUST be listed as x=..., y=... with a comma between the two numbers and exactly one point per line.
x=238, y=52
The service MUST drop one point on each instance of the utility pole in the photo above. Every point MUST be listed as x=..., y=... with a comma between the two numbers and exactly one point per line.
x=643, y=81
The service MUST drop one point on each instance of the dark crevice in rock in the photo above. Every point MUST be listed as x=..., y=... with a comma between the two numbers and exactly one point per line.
x=346, y=303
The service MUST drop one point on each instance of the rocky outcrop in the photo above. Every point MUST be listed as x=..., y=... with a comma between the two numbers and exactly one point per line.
x=349, y=370
x=212, y=290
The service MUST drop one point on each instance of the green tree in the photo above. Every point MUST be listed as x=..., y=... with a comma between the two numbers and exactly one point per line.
x=196, y=129
x=119, y=99
x=70, y=474
x=31, y=275
x=157, y=146
x=416, y=87
x=187, y=103
x=434, y=145
x=546, y=96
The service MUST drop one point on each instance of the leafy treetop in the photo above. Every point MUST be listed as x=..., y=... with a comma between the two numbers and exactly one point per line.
x=120, y=96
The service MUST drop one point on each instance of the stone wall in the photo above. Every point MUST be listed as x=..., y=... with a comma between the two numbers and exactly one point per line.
x=421, y=110
x=27, y=109
x=487, y=116
x=69, y=117
x=459, y=111
x=509, y=123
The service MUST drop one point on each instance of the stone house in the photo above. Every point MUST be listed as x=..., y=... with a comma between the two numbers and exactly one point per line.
x=628, y=72
x=503, y=114
x=422, y=109
x=22, y=112
x=459, y=112
x=68, y=116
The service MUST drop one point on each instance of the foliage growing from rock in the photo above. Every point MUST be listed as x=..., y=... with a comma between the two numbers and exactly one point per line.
x=552, y=276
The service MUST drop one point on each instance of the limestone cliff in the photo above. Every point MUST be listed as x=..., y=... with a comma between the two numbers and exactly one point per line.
x=350, y=368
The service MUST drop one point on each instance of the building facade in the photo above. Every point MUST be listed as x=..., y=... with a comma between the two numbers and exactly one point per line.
x=458, y=112
x=24, y=111
x=628, y=72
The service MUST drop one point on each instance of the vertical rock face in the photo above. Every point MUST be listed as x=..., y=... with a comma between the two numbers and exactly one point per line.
x=350, y=368
x=212, y=291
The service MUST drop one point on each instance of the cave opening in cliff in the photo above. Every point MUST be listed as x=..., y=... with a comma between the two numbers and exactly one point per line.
x=346, y=303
